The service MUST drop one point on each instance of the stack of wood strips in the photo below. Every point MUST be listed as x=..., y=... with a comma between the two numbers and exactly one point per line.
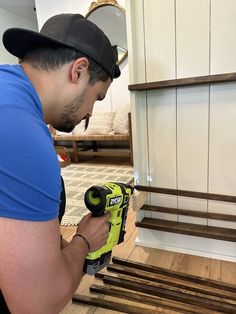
x=156, y=289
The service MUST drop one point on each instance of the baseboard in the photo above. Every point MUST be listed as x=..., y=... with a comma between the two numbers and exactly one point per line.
x=211, y=248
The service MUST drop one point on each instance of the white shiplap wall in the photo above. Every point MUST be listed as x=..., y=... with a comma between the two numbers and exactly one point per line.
x=184, y=138
x=9, y=20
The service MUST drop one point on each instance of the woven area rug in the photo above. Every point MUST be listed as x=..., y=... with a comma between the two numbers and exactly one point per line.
x=79, y=177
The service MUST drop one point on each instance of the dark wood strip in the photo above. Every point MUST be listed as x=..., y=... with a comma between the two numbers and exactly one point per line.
x=188, y=212
x=100, y=275
x=146, y=299
x=209, y=196
x=189, y=81
x=107, y=153
x=225, y=234
x=175, y=274
x=111, y=305
x=180, y=283
x=176, y=290
x=171, y=295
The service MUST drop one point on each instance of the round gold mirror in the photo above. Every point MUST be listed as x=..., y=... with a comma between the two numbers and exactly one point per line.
x=110, y=17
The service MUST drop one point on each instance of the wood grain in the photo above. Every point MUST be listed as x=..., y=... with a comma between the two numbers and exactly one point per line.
x=156, y=301
x=168, y=280
x=191, y=213
x=209, y=196
x=172, y=294
x=175, y=274
x=112, y=305
x=188, y=81
x=211, y=232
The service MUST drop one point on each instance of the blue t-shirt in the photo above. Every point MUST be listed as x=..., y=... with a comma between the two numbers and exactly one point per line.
x=30, y=183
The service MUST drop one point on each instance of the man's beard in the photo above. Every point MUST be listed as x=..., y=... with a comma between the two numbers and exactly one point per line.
x=68, y=119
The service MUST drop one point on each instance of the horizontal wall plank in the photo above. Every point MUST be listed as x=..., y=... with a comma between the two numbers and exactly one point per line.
x=188, y=81
x=224, y=234
x=209, y=196
x=189, y=212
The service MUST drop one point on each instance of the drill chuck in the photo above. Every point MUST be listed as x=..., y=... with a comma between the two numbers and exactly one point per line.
x=95, y=200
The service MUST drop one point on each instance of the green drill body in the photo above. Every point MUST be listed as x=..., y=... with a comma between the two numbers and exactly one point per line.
x=113, y=197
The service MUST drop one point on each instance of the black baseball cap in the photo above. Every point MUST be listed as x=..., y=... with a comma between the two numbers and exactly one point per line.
x=67, y=30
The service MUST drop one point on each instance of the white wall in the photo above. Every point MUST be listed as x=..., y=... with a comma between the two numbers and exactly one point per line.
x=118, y=93
x=8, y=20
x=184, y=138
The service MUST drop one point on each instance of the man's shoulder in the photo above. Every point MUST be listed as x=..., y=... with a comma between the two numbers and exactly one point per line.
x=17, y=91
x=10, y=71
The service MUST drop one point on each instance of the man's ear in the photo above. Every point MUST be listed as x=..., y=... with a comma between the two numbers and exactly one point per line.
x=79, y=67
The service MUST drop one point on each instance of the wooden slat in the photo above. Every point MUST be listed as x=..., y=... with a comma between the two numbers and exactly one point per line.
x=146, y=299
x=189, y=81
x=107, y=152
x=130, y=139
x=111, y=305
x=209, y=196
x=191, y=213
x=180, y=283
x=168, y=293
x=204, y=296
x=92, y=137
x=210, y=232
x=175, y=274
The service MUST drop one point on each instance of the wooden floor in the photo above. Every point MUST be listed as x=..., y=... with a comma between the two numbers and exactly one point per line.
x=198, y=266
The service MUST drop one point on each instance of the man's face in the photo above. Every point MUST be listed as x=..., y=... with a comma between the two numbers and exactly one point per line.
x=82, y=105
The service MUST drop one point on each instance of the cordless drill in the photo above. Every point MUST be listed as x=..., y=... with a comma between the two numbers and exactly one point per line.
x=111, y=197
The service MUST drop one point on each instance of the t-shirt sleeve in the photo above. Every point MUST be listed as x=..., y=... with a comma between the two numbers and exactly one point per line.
x=30, y=183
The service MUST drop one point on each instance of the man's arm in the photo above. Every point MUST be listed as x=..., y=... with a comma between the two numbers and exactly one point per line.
x=36, y=276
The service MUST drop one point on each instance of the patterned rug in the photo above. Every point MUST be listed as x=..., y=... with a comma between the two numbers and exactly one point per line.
x=79, y=177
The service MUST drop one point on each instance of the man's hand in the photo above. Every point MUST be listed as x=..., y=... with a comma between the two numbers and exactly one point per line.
x=33, y=263
x=95, y=230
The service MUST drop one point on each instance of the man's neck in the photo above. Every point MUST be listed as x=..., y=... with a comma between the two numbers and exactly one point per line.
x=48, y=85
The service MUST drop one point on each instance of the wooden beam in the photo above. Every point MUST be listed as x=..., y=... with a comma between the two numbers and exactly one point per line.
x=209, y=196
x=171, y=294
x=175, y=274
x=147, y=299
x=130, y=139
x=111, y=305
x=189, y=212
x=225, y=234
x=168, y=280
x=173, y=289
x=184, y=82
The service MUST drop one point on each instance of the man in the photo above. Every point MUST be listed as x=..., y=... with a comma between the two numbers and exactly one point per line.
x=64, y=69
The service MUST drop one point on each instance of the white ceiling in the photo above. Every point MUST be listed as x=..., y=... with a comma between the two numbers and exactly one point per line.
x=23, y=8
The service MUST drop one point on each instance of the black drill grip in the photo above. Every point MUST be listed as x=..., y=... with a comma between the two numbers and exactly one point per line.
x=95, y=200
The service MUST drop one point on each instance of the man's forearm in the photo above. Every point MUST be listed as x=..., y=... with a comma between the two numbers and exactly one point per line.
x=74, y=254
x=64, y=243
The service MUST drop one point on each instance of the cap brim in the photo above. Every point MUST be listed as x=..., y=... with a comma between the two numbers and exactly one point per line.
x=117, y=72
x=19, y=41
